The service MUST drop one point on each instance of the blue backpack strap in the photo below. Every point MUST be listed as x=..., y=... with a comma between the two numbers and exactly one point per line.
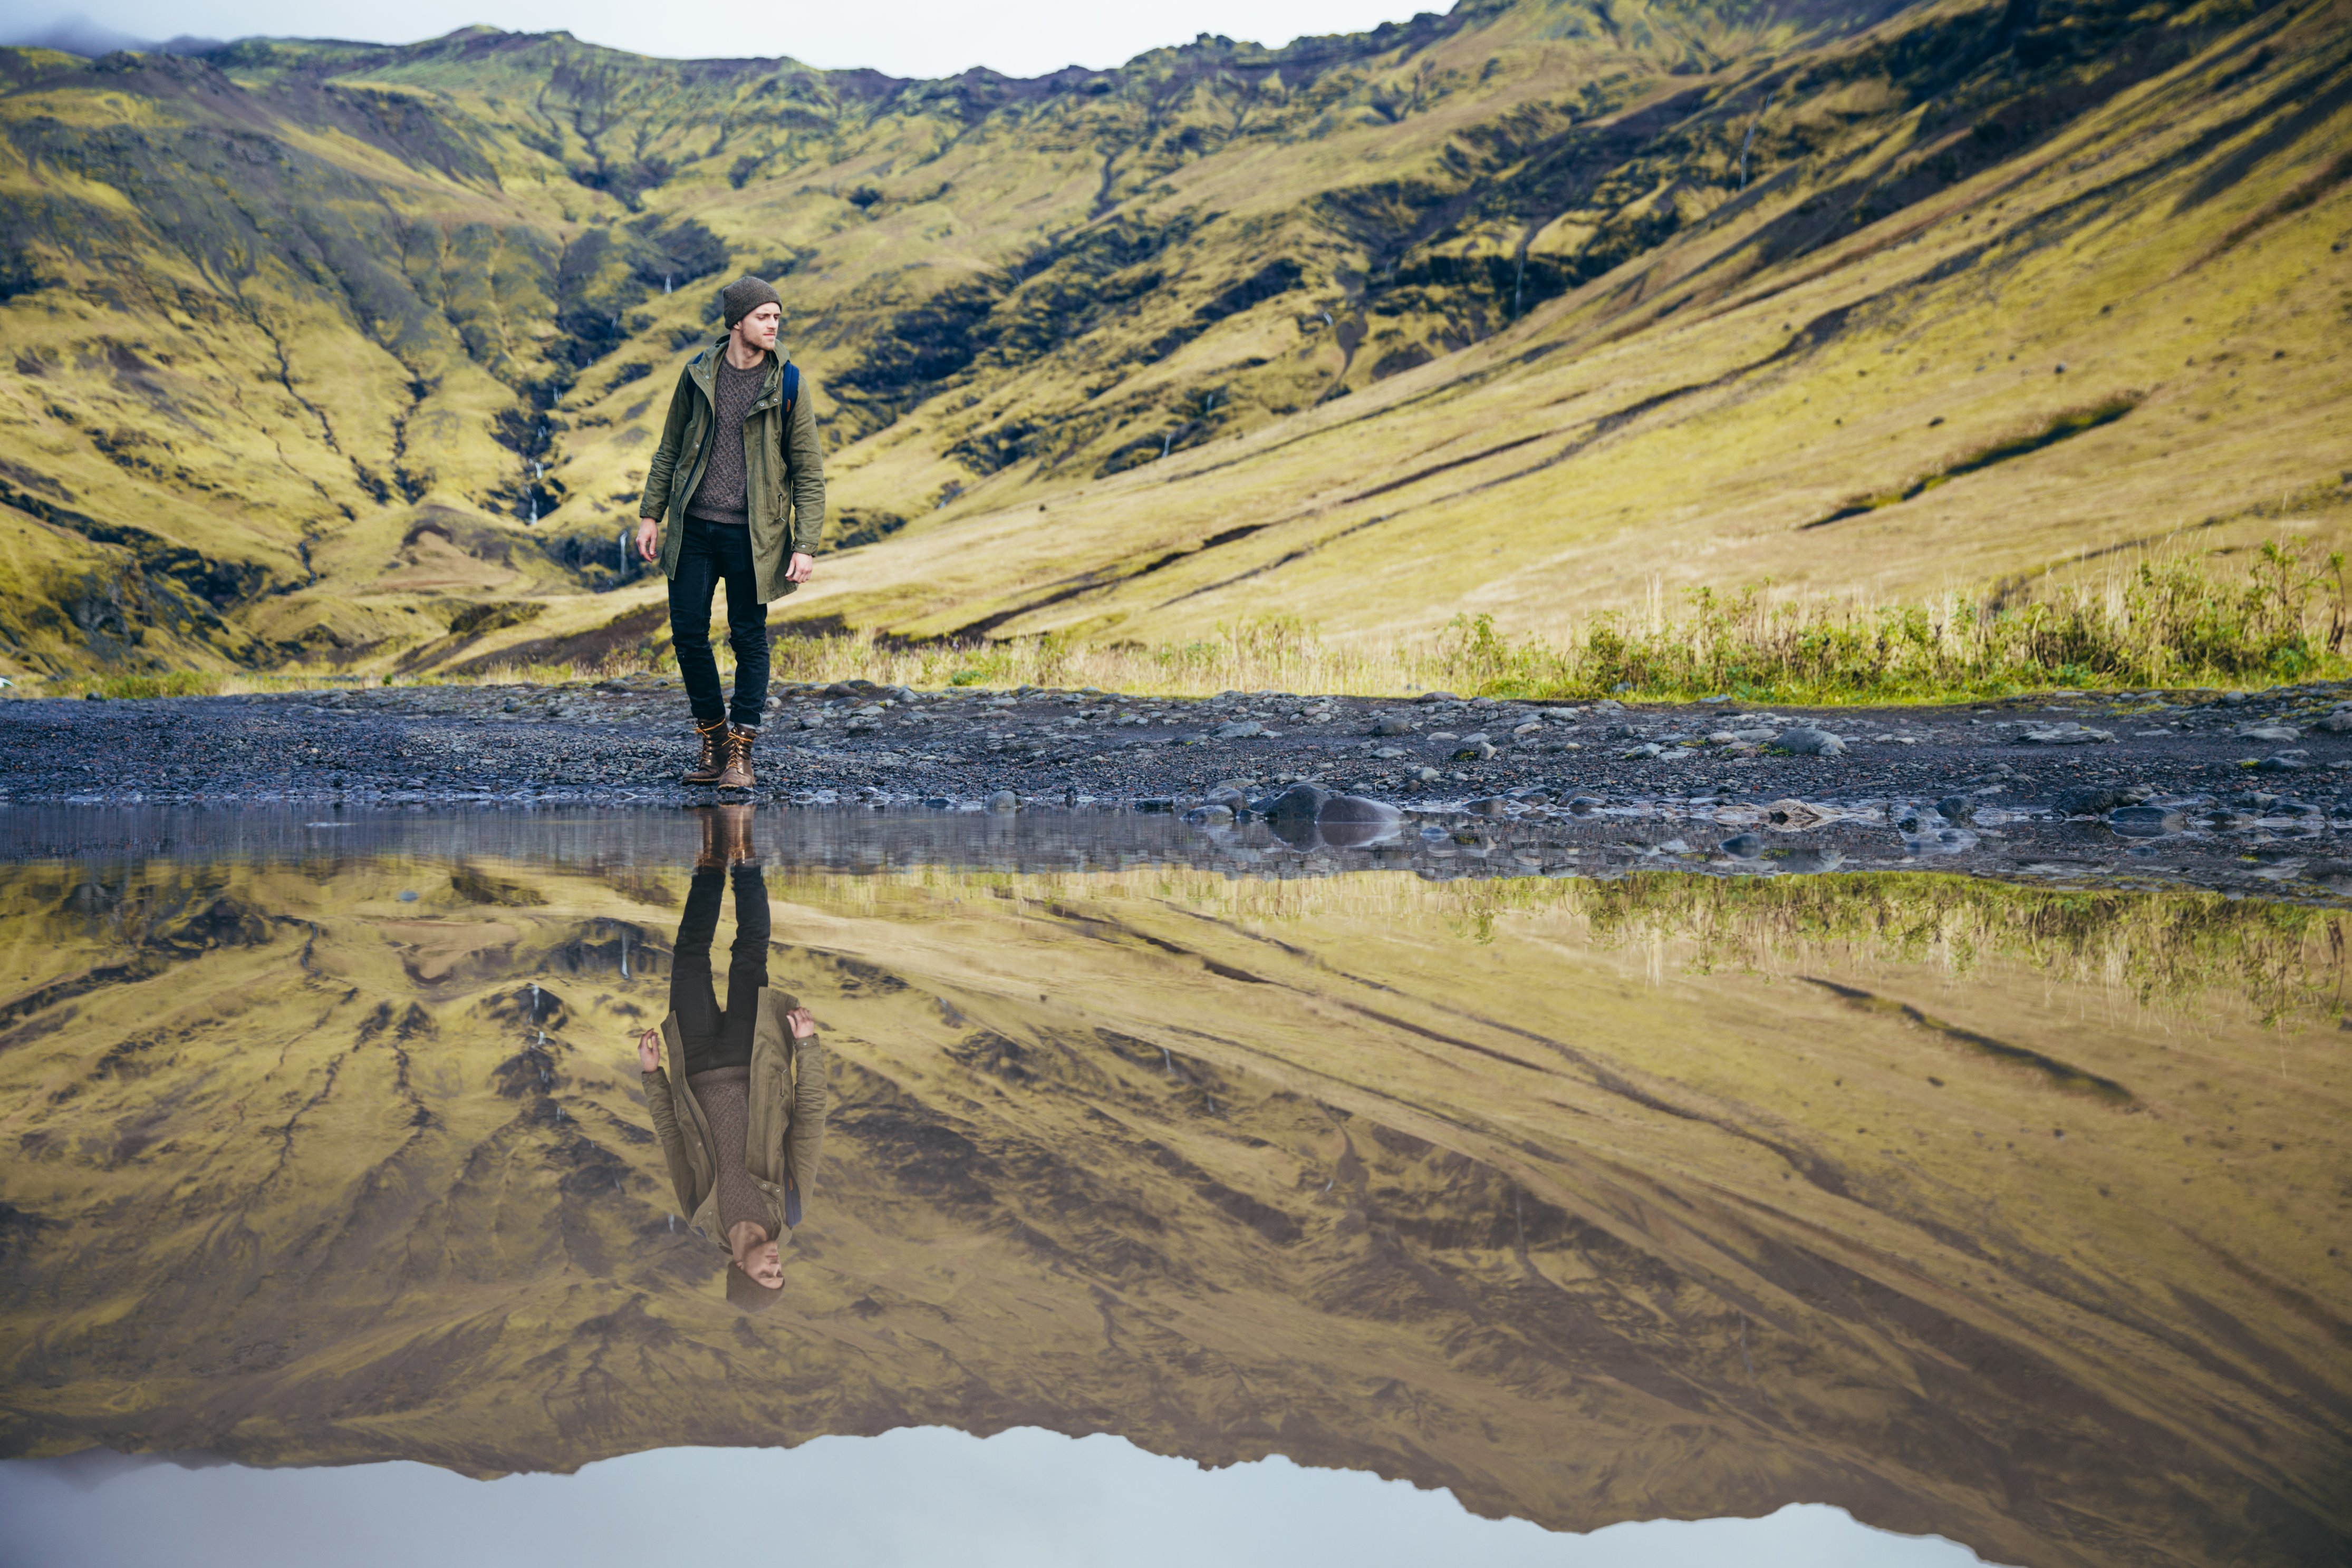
x=792, y=389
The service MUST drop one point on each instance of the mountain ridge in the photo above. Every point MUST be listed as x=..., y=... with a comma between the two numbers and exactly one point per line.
x=409, y=294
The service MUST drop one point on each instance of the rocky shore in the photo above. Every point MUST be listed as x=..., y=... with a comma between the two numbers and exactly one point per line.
x=2225, y=788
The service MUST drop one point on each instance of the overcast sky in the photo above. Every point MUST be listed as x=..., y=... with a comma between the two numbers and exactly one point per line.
x=904, y=38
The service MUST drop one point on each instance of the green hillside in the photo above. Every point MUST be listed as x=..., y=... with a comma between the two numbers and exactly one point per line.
x=345, y=354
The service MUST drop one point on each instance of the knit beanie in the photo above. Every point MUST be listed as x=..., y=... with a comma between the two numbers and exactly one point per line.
x=744, y=296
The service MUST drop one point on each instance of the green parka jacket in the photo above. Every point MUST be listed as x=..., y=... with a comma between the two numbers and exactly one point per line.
x=786, y=1136
x=783, y=469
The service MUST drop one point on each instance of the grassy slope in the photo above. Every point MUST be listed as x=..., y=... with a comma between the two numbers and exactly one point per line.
x=290, y=320
x=1681, y=1232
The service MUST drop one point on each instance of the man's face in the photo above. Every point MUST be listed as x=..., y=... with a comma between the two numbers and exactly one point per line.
x=758, y=330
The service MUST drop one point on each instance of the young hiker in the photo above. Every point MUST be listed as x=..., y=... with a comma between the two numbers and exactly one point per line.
x=741, y=1124
x=736, y=494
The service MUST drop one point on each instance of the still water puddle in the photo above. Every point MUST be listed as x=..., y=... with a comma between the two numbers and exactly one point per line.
x=1886, y=1218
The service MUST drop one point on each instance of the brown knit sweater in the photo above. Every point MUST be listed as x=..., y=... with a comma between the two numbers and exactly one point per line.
x=719, y=497
x=725, y=1095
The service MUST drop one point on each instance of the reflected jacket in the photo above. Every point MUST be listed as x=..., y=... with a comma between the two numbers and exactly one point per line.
x=783, y=470
x=786, y=1133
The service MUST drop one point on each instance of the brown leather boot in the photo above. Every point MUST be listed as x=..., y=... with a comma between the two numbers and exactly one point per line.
x=712, y=761
x=737, y=774
x=712, y=855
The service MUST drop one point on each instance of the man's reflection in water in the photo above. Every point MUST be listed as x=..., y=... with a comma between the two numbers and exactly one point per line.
x=742, y=1125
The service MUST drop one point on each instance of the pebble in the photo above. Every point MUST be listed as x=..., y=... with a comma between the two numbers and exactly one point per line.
x=1743, y=846
x=1392, y=723
x=1004, y=802
x=1957, y=809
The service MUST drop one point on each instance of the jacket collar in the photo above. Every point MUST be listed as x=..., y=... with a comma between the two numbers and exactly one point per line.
x=704, y=369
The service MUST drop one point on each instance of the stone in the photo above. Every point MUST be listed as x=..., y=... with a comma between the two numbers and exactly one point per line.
x=1004, y=802
x=1957, y=809
x=1480, y=752
x=939, y=804
x=1752, y=737
x=1155, y=803
x=2272, y=732
x=1723, y=738
x=1743, y=846
x=1489, y=806
x=1225, y=795
x=1347, y=822
x=1807, y=741
x=2067, y=734
x=1532, y=726
x=2335, y=723
x=1442, y=738
x=2144, y=821
x=1428, y=775
x=1476, y=738
x=1390, y=753
x=2234, y=700
x=2089, y=800
x=1240, y=729
x=2285, y=762
x=1437, y=697
x=1583, y=805
x=1210, y=816
x=1793, y=815
x=1562, y=714
x=1647, y=748
x=1302, y=802
x=1392, y=723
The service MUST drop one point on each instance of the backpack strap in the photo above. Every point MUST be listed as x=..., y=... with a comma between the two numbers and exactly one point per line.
x=791, y=389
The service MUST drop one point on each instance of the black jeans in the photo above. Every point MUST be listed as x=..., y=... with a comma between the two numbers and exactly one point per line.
x=712, y=1037
x=711, y=553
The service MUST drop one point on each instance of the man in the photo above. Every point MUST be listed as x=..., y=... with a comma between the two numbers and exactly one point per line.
x=735, y=494
x=741, y=1124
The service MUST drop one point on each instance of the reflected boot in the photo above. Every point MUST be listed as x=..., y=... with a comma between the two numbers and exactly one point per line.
x=712, y=855
x=712, y=761
x=735, y=837
x=737, y=774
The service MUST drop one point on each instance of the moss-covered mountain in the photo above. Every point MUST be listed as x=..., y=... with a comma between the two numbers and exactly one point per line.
x=316, y=347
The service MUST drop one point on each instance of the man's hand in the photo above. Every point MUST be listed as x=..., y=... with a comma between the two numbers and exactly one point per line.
x=802, y=1025
x=649, y=1050
x=649, y=536
x=800, y=569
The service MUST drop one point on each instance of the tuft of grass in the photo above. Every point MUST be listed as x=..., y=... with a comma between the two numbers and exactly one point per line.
x=2174, y=621
x=170, y=684
x=2163, y=623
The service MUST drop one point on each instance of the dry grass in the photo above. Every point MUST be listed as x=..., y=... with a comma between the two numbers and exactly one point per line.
x=2154, y=623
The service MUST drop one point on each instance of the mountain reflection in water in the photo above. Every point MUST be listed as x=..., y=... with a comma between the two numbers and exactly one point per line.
x=2008, y=1215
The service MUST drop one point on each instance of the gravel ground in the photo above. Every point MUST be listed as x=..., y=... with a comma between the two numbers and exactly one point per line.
x=2222, y=789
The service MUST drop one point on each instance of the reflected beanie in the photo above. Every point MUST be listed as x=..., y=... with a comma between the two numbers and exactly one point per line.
x=744, y=296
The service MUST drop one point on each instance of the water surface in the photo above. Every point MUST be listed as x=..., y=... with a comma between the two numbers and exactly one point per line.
x=2007, y=1215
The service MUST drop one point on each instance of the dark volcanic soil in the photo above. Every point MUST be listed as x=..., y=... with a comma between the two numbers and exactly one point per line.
x=2222, y=790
